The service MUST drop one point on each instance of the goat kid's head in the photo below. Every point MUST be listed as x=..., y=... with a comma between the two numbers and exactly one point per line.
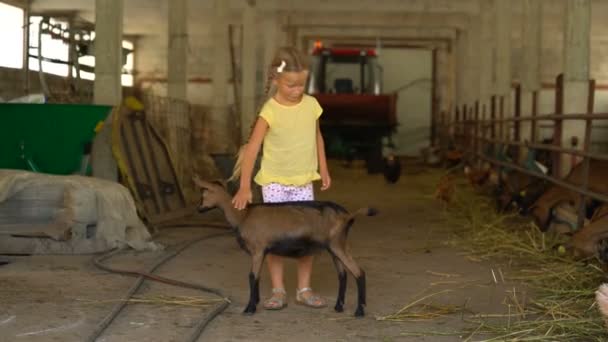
x=212, y=194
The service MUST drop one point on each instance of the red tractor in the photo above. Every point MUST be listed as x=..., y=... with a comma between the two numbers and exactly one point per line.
x=357, y=117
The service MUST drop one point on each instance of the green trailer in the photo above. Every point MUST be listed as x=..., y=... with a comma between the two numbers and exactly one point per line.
x=48, y=138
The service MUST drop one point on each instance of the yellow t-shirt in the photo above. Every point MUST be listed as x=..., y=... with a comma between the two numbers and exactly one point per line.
x=290, y=145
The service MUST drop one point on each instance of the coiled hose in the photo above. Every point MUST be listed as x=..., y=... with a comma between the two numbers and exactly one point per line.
x=200, y=326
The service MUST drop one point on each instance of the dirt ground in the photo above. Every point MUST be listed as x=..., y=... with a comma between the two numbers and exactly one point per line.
x=404, y=252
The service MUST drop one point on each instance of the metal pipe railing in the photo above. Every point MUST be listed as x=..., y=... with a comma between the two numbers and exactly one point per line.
x=470, y=128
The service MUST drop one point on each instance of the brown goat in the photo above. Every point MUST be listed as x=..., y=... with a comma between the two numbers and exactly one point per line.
x=585, y=242
x=541, y=209
x=513, y=184
x=291, y=229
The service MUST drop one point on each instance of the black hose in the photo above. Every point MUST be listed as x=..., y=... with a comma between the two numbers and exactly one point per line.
x=202, y=324
x=103, y=325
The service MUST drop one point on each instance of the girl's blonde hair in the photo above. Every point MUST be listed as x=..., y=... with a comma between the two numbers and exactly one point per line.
x=286, y=59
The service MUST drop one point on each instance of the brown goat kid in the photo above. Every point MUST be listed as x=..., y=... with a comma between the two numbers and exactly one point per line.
x=292, y=229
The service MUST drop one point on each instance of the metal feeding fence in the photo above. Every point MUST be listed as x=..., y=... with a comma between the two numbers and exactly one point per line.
x=483, y=132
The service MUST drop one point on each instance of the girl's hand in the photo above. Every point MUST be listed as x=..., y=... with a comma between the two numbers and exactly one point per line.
x=242, y=197
x=325, y=180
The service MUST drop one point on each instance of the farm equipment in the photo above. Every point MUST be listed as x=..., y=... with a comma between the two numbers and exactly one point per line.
x=357, y=117
x=48, y=138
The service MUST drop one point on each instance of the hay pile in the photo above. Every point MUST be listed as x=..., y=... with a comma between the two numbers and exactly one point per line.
x=562, y=307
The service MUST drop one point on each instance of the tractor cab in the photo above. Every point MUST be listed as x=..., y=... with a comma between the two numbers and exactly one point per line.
x=345, y=71
x=357, y=117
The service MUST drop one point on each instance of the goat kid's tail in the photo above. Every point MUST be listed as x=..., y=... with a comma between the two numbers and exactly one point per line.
x=236, y=171
x=367, y=211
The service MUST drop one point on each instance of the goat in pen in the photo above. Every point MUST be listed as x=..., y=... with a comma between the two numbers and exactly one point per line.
x=291, y=229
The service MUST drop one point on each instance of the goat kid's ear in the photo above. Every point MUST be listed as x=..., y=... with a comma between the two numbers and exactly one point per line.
x=201, y=183
x=220, y=182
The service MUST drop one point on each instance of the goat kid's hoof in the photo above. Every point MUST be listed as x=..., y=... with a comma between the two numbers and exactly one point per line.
x=250, y=310
x=360, y=312
x=339, y=308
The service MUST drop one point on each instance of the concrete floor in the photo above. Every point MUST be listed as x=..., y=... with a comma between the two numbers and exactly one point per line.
x=403, y=251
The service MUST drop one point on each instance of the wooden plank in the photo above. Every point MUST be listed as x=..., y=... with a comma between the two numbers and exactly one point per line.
x=55, y=230
x=168, y=180
x=146, y=163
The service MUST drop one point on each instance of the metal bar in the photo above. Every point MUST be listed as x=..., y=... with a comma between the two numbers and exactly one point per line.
x=517, y=114
x=484, y=129
x=434, y=101
x=466, y=119
x=534, y=114
x=586, y=144
x=465, y=122
x=463, y=128
x=41, y=77
x=26, y=48
x=493, y=116
x=476, y=127
x=456, y=123
x=557, y=130
x=470, y=126
x=547, y=117
x=552, y=148
x=501, y=116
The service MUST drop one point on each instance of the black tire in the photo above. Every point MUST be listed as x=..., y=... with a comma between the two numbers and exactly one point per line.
x=374, y=161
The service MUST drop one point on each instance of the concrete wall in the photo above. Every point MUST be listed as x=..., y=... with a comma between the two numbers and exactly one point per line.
x=151, y=65
x=553, y=36
x=12, y=84
x=552, y=60
x=147, y=18
x=410, y=70
x=151, y=62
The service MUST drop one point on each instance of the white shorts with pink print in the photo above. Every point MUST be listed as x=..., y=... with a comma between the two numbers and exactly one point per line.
x=275, y=193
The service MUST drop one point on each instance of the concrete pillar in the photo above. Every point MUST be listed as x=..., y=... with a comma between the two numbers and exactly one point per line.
x=473, y=70
x=461, y=68
x=461, y=82
x=444, y=83
x=444, y=79
x=288, y=33
x=502, y=57
x=530, y=61
x=177, y=88
x=248, y=69
x=178, y=50
x=271, y=39
x=107, y=86
x=453, y=80
x=577, y=36
x=222, y=140
x=486, y=53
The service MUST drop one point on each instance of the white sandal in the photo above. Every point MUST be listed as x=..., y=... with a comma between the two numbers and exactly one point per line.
x=277, y=301
x=313, y=301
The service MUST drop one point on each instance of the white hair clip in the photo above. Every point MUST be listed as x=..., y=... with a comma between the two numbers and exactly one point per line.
x=281, y=67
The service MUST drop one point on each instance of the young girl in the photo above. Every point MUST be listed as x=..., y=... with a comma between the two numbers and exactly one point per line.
x=293, y=152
